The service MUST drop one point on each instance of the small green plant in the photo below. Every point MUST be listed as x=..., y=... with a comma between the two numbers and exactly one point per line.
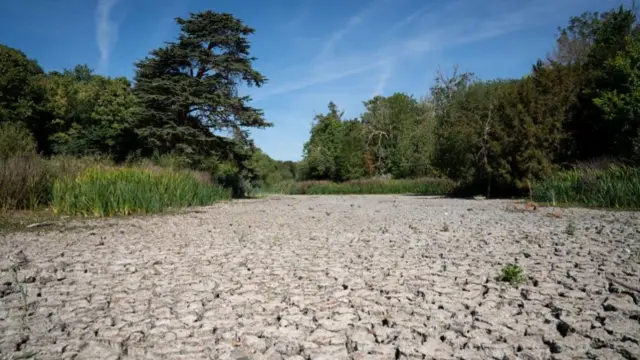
x=512, y=274
x=571, y=228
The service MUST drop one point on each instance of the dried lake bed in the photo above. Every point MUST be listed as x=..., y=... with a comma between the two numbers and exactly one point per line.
x=326, y=277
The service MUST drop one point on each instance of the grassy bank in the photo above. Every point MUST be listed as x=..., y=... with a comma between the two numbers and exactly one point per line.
x=615, y=187
x=425, y=186
x=95, y=187
x=107, y=191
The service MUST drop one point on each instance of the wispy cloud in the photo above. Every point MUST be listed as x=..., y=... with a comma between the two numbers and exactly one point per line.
x=328, y=47
x=106, y=32
x=385, y=73
x=445, y=29
x=409, y=19
x=301, y=15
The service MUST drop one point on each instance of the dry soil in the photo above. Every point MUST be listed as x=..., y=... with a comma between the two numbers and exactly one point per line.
x=333, y=277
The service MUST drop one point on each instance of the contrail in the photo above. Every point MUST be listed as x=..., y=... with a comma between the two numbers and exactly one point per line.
x=106, y=32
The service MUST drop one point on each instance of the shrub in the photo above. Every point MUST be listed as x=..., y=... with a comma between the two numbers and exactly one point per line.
x=15, y=140
x=616, y=186
x=106, y=191
x=230, y=176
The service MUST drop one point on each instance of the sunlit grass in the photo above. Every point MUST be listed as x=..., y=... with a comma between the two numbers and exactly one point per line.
x=107, y=191
x=616, y=187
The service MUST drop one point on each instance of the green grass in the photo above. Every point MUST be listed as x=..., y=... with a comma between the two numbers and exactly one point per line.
x=616, y=187
x=424, y=186
x=108, y=191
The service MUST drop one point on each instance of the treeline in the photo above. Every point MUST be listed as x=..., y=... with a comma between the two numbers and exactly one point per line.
x=579, y=104
x=182, y=107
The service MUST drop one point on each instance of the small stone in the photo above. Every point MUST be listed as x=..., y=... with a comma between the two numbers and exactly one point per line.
x=341, y=294
x=563, y=328
x=28, y=277
x=240, y=354
x=623, y=303
x=45, y=278
x=5, y=265
x=255, y=343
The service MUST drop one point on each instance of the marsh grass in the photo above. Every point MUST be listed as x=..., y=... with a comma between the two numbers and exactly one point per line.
x=108, y=191
x=423, y=186
x=615, y=187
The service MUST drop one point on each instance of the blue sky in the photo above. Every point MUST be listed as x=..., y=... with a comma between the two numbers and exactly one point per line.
x=312, y=51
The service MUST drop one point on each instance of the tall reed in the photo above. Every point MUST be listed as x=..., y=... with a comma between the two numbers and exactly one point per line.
x=25, y=182
x=106, y=191
x=616, y=187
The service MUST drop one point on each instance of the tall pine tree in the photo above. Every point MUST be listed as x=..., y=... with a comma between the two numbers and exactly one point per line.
x=189, y=90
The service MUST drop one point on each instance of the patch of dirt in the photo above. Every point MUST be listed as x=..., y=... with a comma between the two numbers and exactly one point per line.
x=328, y=277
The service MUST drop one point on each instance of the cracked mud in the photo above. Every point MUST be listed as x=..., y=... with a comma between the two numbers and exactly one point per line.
x=335, y=277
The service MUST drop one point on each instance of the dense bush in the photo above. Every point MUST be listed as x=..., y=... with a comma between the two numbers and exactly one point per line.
x=15, y=140
x=106, y=191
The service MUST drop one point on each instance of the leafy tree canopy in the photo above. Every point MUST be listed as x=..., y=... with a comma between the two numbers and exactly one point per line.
x=21, y=93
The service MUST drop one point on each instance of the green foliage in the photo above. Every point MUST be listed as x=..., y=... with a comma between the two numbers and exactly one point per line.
x=393, y=137
x=399, y=135
x=22, y=94
x=323, y=148
x=19, y=77
x=16, y=140
x=499, y=133
x=91, y=114
x=423, y=186
x=269, y=172
x=619, y=99
x=188, y=89
x=512, y=274
x=236, y=178
x=349, y=158
x=616, y=186
x=107, y=191
x=598, y=120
